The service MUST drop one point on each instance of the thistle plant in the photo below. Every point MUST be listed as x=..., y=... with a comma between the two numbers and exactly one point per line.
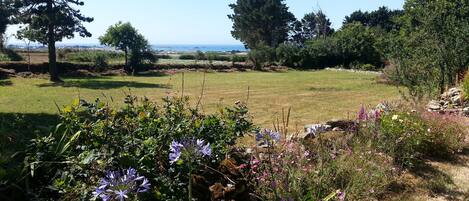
x=121, y=185
x=189, y=152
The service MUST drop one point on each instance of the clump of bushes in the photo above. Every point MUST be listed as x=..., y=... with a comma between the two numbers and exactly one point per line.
x=10, y=55
x=90, y=55
x=93, y=137
x=187, y=57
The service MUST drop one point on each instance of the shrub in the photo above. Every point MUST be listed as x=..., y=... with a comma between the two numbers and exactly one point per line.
x=90, y=55
x=100, y=62
x=261, y=56
x=187, y=57
x=238, y=58
x=93, y=137
x=10, y=55
x=288, y=54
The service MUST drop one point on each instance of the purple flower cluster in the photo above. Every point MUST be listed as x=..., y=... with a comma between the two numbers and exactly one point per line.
x=120, y=185
x=190, y=147
x=267, y=136
x=363, y=115
x=317, y=129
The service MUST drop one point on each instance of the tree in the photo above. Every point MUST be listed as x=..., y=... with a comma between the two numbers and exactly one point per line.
x=383, y=18
x=323, y=25
x=124, y=37
x=312, y=26
x=261, y=21
x=50, y=21
x=434, y=37
x=7, y=10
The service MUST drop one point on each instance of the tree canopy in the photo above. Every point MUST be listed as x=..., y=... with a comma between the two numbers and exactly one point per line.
x=312, y=26
x=383, y=18
x=124, y=37
x=50, y=21
x=257, y=22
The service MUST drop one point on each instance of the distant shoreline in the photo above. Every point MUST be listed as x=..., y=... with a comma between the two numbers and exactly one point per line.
x=162, y=48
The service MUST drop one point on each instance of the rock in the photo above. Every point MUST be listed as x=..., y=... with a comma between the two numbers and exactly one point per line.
x=466, y=111
x=337, y=129
x=342, y=124
x=454, y=92
x=456, y=99
x=7, y=72
x=434, y=105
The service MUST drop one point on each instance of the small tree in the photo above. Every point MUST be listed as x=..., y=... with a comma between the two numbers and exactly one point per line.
x=124, y=37
x=50, y=21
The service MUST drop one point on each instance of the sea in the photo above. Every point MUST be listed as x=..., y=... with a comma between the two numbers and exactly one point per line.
x=165, y=48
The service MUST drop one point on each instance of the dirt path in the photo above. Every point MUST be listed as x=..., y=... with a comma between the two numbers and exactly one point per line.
x=441, y=180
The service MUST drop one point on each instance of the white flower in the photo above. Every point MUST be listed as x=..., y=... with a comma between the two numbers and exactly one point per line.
x=395, y=117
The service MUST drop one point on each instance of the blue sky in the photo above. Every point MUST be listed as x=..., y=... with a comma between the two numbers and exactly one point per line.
x=197, y=21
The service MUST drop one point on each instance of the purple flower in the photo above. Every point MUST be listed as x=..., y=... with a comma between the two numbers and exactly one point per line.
x=341, y=195
x=317, y=129
x=362, y=115
x=119, y=185
x=189, y=148
x=267, y=136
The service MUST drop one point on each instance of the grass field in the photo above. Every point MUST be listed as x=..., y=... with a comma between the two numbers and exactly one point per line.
x=313, y=96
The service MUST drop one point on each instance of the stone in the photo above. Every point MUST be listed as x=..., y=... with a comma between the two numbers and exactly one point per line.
x=434, y=105
x=342, y=124
x=456, y=99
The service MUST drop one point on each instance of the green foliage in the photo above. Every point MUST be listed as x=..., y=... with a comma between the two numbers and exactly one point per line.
x=465, y=86
x=261, y=56
x=89, y=56
x=124, y=37
x=10, y=55
x=261, y=22
x=238, y=58
x=432, y=42
x=93, y=137
x=187, y=57
x=288, y=54
x=312, y=26
x=49, y=21
x=383, y=18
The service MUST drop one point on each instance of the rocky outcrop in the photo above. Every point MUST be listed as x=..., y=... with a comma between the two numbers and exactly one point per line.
x=450, y=102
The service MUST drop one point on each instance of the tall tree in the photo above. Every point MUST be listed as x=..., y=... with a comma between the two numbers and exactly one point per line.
x=434, y=38
x=50, y=21
x=7, y=9
x=323, y=25
x=258, y=22
x=383, y=18
x=124, y=37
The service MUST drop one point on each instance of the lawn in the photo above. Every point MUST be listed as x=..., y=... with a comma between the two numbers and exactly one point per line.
x=313, y=96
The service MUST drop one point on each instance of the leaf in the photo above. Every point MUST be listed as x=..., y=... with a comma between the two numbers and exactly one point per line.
x=72, y=140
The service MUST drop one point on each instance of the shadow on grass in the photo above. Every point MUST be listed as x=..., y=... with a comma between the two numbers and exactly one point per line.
x=16, y=132
x=4, y=83
x=436, y=181
x=104, y=84
x=16, y=129
x=151, y=74
x=328, y=89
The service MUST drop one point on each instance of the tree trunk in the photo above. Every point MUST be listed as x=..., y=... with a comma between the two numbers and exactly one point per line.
x=126, y=66
x=53, y=71
x=442, y=78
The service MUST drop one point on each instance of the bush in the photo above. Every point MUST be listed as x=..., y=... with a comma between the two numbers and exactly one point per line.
x=100, y=62
x=261, y=56
x=90, y=55
x=187, y=57
x=10, y=55
x=288, y=54
x=93, y=138
x=238, y=58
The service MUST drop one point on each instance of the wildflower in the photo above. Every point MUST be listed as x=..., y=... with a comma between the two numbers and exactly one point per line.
x=341, y=195
x=395, y=117
x=267, y=136
x=362, y=115
x=317, y=129
x=120, y=185
x=189, y=148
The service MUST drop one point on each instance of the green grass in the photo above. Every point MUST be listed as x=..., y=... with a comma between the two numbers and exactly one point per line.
x=313, y=96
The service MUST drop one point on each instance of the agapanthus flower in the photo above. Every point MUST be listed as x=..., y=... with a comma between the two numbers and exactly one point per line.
x=267, y=137
x=316, y=129
x=120, y=185
x=190, y=148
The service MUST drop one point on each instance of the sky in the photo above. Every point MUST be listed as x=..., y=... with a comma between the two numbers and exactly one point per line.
x=196, y=21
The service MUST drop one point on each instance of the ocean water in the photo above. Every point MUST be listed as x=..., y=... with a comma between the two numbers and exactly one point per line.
x=203, y=48
x=163, y=48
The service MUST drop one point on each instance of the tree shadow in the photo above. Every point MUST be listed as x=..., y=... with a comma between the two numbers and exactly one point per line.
x=436, y=181
x=151, y=74
x=4, y=83
x=104, y=84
